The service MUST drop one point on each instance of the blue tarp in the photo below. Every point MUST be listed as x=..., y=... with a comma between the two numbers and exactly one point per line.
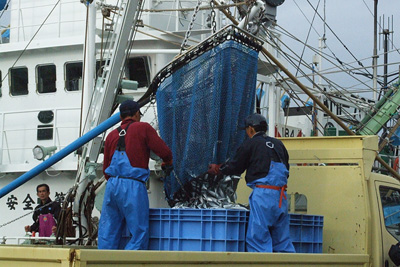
x=6, y=34
x=201, y=105
x=2, y=4
x=395, y=139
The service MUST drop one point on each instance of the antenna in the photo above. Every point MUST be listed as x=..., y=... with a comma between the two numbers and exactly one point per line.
x=386, y=32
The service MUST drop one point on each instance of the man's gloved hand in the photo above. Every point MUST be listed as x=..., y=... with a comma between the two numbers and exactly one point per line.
x=167, y=168
x=214, y=169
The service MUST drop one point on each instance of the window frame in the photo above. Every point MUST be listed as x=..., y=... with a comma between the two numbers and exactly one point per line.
x=10, y=80
x=65, y=76
x=389, y=212
x=147, y=70
x=37, y=78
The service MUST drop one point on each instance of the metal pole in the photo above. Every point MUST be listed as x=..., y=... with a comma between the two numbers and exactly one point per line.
x=385, y=58
x=375, y=52
x=271, y=109
x=90, y=65
x=314, y=98
x=315, y=122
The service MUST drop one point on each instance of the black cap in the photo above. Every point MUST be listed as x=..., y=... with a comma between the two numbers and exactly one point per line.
x=255, y=120
x=129, y=108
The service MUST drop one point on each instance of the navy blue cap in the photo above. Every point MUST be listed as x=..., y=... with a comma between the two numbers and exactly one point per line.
x=254, y=120
x=129, y=108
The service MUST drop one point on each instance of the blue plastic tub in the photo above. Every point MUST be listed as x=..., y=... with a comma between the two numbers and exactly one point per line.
x=306, y=232
x=197, y=229
x=221, y=230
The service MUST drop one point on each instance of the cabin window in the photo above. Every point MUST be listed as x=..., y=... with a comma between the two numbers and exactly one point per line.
x=300, y=203
x=390, y=198
x=45, y=132
x=138, y=70
x=46, y=79
x=73, y=76
x=18, y=81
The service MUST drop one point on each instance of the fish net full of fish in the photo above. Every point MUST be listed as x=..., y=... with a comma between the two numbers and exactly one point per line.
x=208, y=192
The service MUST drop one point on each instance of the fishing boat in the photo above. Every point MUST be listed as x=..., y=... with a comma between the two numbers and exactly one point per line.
x=52, y=53
x=56, y=59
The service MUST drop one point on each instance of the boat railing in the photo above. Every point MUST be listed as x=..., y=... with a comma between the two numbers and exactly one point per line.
x=29, y=17
x=14, y=145
x=27, y=240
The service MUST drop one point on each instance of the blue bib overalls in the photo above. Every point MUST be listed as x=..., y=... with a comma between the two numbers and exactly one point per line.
x=126, y=204
x=268, y=228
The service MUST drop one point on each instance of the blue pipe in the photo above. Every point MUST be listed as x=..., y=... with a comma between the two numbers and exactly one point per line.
x=102, y=127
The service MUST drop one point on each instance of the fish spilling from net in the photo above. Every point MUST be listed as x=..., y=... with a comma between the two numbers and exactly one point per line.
x=208, y=192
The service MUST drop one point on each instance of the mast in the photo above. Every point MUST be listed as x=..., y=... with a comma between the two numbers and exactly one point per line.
x=319, y=116
x=375, y=52
x=90, y=62
x=315, y=99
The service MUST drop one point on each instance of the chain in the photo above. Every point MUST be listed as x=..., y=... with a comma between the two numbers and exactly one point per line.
x=179, y=181
x=213, y=22
x=147, y=108
x=152, y=103
x=156, y=117
x=16, y=219
x=227, y=33
x=196, y=10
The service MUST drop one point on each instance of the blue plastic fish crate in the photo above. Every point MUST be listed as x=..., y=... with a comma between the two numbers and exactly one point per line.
x=306, y=232
x=197, y=229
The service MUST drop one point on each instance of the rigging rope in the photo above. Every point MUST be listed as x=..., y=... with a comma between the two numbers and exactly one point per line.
x=350, y=116
x=200, y=8
x=337, y=37
x=325, y=56
x=170, y=33
x=20, y=217
x=293, y=64
x=308, y=35
x=30, y=41
x=380, y=26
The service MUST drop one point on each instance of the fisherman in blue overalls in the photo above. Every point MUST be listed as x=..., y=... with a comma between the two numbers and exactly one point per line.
x=126, y=159
x=267, y=163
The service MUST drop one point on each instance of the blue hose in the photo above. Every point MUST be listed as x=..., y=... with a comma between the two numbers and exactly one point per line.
x=104, y=126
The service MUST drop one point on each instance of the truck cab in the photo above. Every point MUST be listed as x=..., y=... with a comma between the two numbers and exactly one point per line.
x=386, y=208
x=331, y=176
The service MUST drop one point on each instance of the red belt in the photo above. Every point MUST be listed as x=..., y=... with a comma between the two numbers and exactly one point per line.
x=279, y=188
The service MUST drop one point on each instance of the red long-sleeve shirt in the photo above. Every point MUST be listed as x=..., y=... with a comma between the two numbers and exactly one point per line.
x=139, y=140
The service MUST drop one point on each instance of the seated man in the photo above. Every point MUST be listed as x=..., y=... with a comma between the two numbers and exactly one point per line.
x=46, y=213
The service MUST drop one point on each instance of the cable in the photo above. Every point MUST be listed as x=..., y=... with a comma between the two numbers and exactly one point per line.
x=33, y=37
x=380, y=26
x=308, y=34
x=327, y=46
x=324, y=55
x=337, y=37
x=346, y=113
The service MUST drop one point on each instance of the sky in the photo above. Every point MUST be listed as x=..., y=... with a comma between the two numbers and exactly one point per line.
x=352, y=23
x=348, y=23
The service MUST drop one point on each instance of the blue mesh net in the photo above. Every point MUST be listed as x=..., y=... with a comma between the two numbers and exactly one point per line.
x=201, y=107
